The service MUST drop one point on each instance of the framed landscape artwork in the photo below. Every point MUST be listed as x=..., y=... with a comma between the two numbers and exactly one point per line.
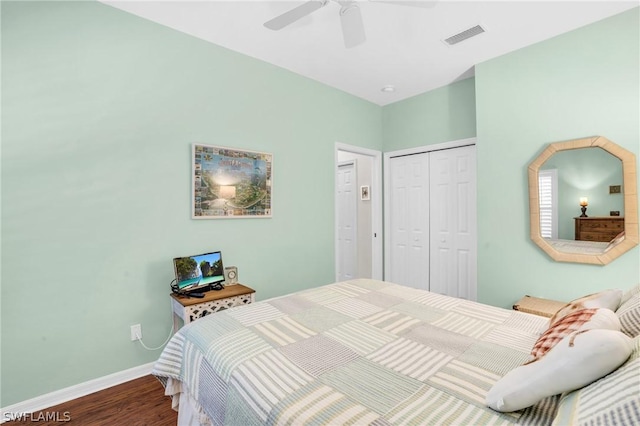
x=231, y=183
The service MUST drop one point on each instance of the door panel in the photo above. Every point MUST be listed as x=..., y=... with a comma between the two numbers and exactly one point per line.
x=347, y=231
x=409, y=224
x=453, y=222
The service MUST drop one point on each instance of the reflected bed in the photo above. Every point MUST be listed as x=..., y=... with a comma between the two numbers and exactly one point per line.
x=580, y=247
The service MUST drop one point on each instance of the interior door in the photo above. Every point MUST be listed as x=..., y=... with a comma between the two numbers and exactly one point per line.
x=409, y=221
x=347, y=221
x=453, y=222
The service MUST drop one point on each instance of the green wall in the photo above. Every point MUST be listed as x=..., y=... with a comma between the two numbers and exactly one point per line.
x=579, y=84
x=441, y=115
x=99, y=111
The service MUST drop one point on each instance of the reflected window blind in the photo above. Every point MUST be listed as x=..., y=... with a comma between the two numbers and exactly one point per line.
x=548, y=193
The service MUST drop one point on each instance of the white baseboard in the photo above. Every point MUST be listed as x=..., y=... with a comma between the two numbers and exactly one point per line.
x=73, y=392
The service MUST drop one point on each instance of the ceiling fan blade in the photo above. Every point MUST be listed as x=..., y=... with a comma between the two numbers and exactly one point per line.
x=352, y=27
x=425, y=4
x=299, y=12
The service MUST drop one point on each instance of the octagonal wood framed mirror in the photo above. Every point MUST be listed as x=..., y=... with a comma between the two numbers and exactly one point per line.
x=577, y=249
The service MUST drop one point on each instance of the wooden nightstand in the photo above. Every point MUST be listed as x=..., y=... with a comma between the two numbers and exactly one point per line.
x=535, y=305
x=192, y=308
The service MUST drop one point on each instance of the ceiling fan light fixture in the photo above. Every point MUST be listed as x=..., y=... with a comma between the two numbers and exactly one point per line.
x=347, y=6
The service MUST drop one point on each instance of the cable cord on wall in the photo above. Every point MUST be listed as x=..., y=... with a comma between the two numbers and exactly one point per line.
x=159, y=347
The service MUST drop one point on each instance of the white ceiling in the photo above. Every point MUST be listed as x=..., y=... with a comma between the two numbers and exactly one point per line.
x=404, y=46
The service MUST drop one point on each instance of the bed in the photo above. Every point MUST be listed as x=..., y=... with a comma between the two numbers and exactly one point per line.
x=355, y=352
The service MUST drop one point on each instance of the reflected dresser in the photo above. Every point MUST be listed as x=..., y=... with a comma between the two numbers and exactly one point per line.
x=602, y=229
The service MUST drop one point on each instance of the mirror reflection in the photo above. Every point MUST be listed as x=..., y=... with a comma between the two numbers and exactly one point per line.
x=582, y=200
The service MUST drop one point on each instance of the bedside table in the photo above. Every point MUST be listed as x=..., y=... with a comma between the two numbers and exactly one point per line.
x=535, y=305
x=192, y=308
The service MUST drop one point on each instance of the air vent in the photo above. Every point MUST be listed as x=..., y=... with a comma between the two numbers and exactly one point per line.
x=464, y=35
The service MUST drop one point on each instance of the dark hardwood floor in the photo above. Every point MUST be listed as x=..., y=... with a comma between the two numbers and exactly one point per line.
x=140, y=402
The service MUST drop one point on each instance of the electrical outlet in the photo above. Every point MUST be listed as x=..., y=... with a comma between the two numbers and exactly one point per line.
x=136, y=332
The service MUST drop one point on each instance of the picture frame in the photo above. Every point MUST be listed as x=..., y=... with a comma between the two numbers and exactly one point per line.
x=230, y=183
x=365, y=193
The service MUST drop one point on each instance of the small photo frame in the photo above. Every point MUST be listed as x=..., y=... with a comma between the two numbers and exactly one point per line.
x=365, y=194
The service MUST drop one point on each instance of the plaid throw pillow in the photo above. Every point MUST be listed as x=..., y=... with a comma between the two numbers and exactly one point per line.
x=584, y=319
x=609, y=299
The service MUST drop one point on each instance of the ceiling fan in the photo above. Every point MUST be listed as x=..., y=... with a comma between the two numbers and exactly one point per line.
x=350, y=17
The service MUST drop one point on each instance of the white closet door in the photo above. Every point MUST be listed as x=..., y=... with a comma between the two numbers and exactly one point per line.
x=409, y=221
x=347, y=231
x=453, y=222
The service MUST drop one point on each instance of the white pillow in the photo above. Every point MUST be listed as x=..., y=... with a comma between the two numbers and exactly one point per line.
x=574, y=362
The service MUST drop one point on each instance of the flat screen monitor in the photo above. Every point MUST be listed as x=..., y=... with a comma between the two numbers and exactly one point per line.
x=199, y=272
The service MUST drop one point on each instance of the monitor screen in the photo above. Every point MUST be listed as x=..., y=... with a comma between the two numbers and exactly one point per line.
x=199, y=271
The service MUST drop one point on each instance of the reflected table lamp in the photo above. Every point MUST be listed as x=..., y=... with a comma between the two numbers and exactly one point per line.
x=584, y=202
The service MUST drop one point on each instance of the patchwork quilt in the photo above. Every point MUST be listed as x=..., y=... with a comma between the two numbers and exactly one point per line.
x=354, y=352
